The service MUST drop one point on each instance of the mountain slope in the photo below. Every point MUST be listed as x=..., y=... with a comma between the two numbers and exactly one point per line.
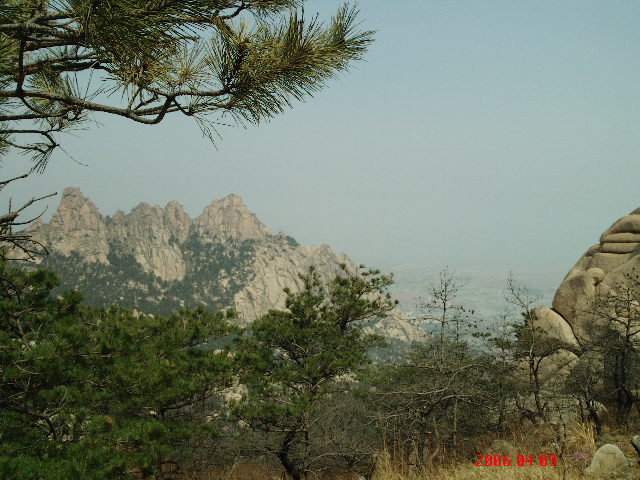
x=157, y=260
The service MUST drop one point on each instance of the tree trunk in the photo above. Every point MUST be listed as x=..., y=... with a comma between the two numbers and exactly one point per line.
x=454, y=434
x=422, y=440
x=283, y=455
x=536, y=394
x=595, y=417
x=624, y=409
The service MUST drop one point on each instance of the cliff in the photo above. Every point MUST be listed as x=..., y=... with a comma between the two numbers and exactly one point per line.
x=157, y=260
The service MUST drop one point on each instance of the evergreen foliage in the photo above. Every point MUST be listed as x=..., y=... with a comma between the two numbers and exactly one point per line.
x=123, y=281
x=99, y=393
x=297, y=359
x=62, y=60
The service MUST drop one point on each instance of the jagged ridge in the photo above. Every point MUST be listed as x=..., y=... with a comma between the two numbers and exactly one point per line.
x=158, y=259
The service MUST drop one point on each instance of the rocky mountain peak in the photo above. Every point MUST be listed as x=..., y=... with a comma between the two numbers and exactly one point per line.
x=77, y=226
x=177, y=220
x=76, y=210
x=157, y=260
x=229, y=217
x=175, y=211
x=145, y=215
x=71, y=196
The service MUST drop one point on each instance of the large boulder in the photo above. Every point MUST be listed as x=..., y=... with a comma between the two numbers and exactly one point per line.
x=607, y=460
x=555, y=326
x=635, y=441
x=627, y=224
x=575, y=294
x=502, y=447
x=599, y=269
x=555, y=368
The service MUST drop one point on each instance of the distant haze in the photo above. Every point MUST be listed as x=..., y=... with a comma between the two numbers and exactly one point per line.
x=489, y=135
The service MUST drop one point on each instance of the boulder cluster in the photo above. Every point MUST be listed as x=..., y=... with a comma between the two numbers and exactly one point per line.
x=602, y=266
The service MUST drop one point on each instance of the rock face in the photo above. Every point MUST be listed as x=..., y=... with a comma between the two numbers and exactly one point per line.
x=555, y=326
x=77, y=226
x=607, y=459
x=151, y=235
x=229, y=218
x=157, y=260
x=602, y=266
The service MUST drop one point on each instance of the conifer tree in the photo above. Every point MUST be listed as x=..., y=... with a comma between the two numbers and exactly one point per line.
x=99, y=393
x=296, y=359
x=63, y=60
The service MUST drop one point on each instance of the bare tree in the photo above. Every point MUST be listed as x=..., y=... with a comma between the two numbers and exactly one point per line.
x=440, y=305
x=19, y=245
x=532, y=347
x=586, y=383
x=614, y=326
x=434, y=396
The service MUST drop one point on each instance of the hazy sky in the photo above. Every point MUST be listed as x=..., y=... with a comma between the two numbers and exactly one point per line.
x=479, y=134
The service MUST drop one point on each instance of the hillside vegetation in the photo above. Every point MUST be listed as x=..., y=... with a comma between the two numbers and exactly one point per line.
x=107, y=393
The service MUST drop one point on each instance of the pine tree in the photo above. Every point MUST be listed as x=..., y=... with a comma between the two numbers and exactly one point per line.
x=296, y=359
x=99, y=393
x=62, y=60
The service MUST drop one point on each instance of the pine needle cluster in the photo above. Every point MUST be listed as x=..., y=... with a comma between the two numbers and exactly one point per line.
x=63, y=60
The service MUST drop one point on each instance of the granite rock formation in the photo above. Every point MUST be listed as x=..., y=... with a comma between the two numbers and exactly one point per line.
x=600, y=268
x=157, y=260
x=607, y=461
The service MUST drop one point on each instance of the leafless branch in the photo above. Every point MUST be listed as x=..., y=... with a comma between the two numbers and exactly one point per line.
x=24, y=244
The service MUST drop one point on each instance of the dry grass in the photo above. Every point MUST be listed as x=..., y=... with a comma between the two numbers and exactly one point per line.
x=581, y=443
x=451, y=470
x=243, y=470
x=581, y=438
x=470, y=472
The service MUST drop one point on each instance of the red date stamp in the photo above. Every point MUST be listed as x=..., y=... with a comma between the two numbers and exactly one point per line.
x=520, y=460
